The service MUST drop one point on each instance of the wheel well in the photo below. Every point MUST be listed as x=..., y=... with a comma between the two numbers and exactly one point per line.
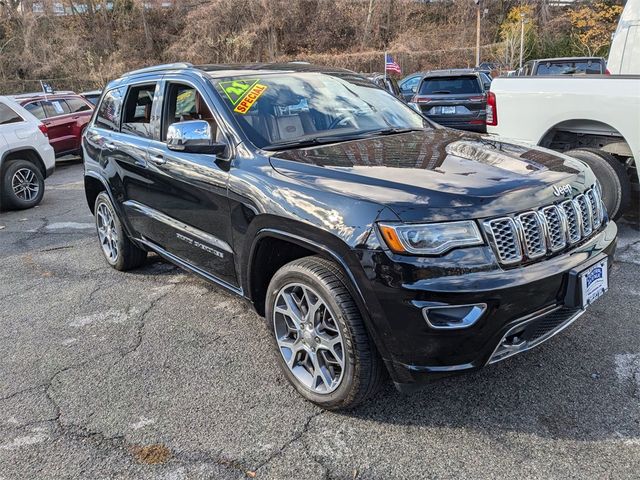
x=92, y=187
x=573, y=134
x=580, y=133
x=29, y=155
x=270, y=254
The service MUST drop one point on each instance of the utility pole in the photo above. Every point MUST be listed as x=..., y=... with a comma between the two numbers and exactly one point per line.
x=477, y=2
x=521, y=37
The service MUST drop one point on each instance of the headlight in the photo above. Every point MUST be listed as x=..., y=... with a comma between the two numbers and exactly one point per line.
x=430, y=238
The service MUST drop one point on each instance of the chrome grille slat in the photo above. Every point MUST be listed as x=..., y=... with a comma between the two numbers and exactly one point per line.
x=574, y=228
x=583, y=207
x=556, y=228
x=505, y=240
x=596, y=210
x=534, y=234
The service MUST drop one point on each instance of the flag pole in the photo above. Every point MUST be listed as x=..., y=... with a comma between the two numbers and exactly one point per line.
x=385, y=67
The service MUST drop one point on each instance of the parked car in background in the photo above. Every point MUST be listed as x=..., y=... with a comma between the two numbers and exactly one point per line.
x=453, y=98
x=593, y=118
x=624, y=55
x=369, y=239
x=64, y=114
x=390, y=84
x=565, y=66
x=26, y=157
x=93, y=96
x=409, y=85
x=486, y=78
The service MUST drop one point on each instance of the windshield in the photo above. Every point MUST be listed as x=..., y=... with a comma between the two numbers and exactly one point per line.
x=293, y=108
x=450, y=85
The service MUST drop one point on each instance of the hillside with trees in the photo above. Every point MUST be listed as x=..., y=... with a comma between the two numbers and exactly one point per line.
x=83, y=44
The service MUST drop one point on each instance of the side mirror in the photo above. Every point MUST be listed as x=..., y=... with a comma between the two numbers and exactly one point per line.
x=193, y=136
x=414, y=89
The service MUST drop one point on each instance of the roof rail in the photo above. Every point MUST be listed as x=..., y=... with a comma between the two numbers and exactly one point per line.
x=154, y=68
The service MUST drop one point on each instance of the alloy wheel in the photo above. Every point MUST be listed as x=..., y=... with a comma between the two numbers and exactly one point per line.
x=107, y=232
x=25, y=184
x=308, y=338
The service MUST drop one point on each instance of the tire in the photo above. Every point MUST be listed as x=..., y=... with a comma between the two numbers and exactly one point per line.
x=22, y=185
x=612, y=175
x=119, y=251
x=362, y=370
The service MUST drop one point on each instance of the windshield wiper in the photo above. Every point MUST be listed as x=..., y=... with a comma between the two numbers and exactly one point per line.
x=310, y=142
x=393, y=131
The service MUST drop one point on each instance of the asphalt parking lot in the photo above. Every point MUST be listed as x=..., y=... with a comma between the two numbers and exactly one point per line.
x=157, y=374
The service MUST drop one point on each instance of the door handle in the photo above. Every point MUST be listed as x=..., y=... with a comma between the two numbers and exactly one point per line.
x=158, y=159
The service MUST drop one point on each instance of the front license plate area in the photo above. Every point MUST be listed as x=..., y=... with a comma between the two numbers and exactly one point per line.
x=593, y=281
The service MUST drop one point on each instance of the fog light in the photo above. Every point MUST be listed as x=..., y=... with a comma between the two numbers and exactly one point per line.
x=451, y=317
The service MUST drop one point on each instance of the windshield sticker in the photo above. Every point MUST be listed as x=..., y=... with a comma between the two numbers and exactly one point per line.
x=237, y=89
x=250, y=98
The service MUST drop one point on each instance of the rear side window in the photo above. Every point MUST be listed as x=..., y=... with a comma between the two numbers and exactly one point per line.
x=570, y=68
x=450, y=85
x=8, y=115
x=76, y=105
x=410, y=84
x=108, y=115
x=55, y=108
x=137, y=111
x=35, y=109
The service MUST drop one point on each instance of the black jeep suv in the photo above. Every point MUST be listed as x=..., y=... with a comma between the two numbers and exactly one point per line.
x=371, y=240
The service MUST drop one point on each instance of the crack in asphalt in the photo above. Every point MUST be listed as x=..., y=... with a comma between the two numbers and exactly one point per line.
x=141, y=323
x=292, y=440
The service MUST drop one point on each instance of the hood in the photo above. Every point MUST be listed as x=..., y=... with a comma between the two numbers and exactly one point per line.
x=438, y=174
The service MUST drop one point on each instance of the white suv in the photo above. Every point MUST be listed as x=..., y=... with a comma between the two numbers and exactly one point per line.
x=26, y=158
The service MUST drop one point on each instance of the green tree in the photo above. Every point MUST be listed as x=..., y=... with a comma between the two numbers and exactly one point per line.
x=592, y=26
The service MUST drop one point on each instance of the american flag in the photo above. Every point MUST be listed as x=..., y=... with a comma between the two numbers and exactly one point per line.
x=390, y=65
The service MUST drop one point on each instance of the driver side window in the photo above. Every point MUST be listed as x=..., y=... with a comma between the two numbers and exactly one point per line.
x=184, y=103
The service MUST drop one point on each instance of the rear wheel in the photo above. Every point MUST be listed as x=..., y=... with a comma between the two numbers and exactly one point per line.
x=120, y=252
x=323, y=347
x=22, y=185
x=612, y=175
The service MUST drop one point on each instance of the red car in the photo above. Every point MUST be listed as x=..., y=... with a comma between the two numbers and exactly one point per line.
x=64, y=115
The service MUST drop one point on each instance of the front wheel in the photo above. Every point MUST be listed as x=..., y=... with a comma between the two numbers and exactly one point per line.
x=323, y=347
x=22, y=185
x=118, y=250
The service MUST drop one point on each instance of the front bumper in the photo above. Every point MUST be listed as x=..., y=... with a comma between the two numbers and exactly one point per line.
x=400, y=287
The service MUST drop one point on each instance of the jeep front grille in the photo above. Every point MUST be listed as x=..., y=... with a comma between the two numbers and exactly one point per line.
x=533, y=234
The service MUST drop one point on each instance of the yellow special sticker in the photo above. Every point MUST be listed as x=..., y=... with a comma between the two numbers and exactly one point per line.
x=250, y=98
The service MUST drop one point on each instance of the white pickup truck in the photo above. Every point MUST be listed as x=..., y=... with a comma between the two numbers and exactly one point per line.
x=595, y=118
